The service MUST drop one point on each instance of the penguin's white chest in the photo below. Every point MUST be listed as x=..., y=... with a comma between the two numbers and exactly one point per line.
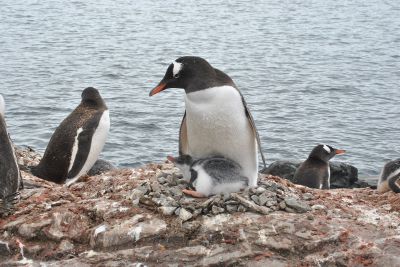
x=217, y=124
x=98, y=140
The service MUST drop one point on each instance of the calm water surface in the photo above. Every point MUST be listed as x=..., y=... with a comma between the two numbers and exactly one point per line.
x=311, y=71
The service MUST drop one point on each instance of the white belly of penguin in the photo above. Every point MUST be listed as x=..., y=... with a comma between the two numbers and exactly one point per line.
x=98, y=140
x=217, y=124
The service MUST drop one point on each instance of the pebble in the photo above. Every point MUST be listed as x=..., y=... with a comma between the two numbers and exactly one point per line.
x=165, y=192
x=318, y=207
x=297, y=205
x=185, y=215
x=168, y=211
x=260, y=190
x=217, y=210
x=308, y=196
x=255, y=199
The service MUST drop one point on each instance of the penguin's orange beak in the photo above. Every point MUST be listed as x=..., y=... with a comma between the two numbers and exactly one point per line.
x=160, y=87
x=340, y=151
x=170, y=158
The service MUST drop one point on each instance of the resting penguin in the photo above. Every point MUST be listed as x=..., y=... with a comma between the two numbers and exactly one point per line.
x=77, y=142
x=10, y=176
x=315, y=171
x=217, y=120
x=390, y=177
x=211, y=176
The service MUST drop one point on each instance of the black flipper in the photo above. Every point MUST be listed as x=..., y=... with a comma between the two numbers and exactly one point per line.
x=392, y=182
x=183, y=140
x=254, y=128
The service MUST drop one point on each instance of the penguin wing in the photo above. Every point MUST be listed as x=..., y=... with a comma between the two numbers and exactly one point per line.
x=253, y=127
x=393, y=181
x=84, y=143
x=183, y=139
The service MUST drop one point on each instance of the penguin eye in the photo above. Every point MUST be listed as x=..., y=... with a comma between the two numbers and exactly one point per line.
x=176, y=76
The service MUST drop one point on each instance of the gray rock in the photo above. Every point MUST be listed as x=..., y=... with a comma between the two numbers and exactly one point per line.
x=297, y=205
x=217, y=210
x=241, y=208
x=255, y=199
x=271, y=203
x=282, y=168
x=266, y=196
x=101, y=166
x=31, y=230
x=343, y=175
x=250, y=204
x=318, y=207
x=185, y=215
x=65, y=246
x=4, y=249
x=308, y=196
x=231, y=208
x=260, y=190
x=168, y=211
x=131, y=230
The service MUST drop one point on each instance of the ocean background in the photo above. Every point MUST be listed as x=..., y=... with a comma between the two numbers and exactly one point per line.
x=311, y=72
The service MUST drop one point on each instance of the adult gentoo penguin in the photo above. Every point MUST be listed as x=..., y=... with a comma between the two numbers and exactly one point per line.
x=217, y=120
x=77, y=142
x=390, y=177
x=315, y=171
x=10, y=176
x=211, y=176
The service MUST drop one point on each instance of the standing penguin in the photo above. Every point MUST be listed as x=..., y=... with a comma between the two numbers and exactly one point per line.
x=315, y=171
x=211, y=176
x=390, y=177
x=10, y=176
x=217, y=120
x=77, y=142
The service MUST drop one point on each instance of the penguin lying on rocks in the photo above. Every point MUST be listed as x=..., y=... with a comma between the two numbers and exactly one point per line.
x=315, y=171
x=390, y=177
x=211, y=176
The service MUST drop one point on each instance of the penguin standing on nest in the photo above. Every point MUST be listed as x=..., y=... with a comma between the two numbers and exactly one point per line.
x=10, y=176
x=217, y=120
x=77, y=142
x=315, y=171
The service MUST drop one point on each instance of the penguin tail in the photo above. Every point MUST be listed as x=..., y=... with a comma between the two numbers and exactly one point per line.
x=392, y=182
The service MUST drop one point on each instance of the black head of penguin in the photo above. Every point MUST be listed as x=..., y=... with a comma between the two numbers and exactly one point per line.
x=182, y=160
x=324, y=152
x=91, y=97
x=192, y=74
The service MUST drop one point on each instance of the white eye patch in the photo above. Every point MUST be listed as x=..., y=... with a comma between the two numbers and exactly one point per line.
x=177, y=68
x=327, y=149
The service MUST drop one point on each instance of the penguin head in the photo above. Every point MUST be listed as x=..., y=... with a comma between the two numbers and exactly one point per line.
x=183, y=163
x=2, y=106
x=325, y=152
x=181, y=160
x=189, y=73
x=91, y=96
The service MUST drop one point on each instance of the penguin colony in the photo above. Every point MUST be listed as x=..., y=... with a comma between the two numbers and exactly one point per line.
x=218, y=140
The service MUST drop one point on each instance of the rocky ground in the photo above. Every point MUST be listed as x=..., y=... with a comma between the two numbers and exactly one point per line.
x=139, y=217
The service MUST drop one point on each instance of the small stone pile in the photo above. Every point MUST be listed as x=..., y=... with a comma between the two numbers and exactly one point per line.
x=164, y=193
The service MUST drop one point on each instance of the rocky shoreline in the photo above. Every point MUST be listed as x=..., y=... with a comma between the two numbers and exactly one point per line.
x=140, y=216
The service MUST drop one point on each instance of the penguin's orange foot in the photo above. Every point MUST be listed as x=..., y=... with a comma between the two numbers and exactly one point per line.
x=193, y=193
